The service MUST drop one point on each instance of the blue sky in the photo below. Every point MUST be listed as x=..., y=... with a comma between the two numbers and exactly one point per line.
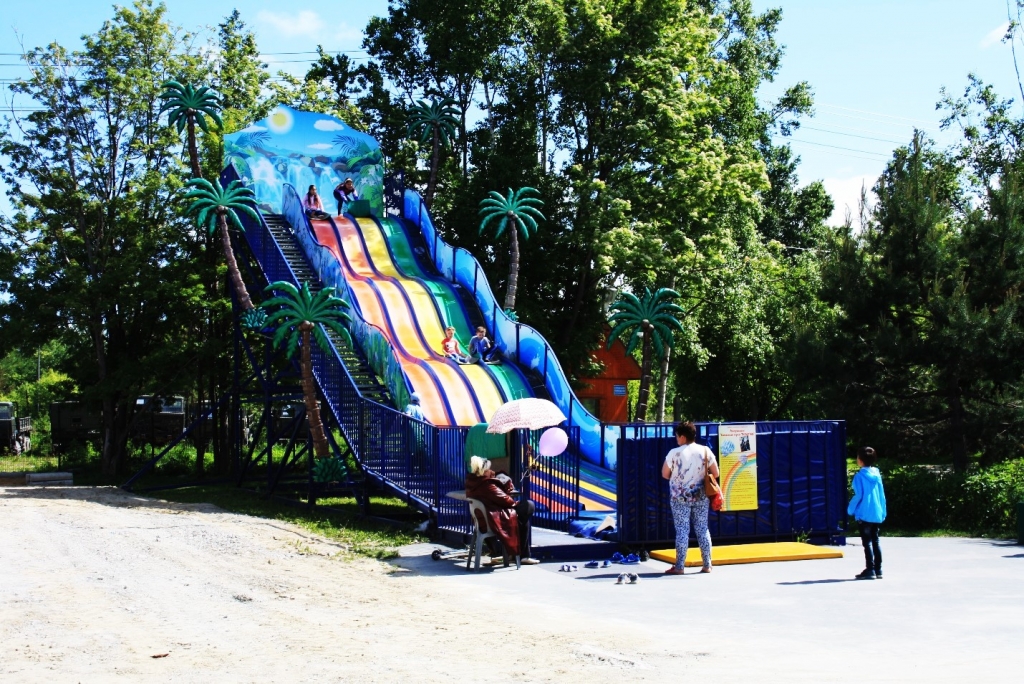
x=876, y=66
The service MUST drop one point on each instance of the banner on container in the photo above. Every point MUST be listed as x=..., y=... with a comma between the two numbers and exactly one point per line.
x=737, y=461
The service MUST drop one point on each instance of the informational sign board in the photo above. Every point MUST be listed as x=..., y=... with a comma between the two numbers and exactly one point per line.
x=737, y=461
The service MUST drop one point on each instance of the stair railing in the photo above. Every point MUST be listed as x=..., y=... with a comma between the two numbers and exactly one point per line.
x=371, y=339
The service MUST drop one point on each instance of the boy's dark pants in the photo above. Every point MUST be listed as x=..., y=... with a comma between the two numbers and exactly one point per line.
x=869, y=539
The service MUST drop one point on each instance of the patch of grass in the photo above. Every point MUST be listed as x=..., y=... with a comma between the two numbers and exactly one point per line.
x=28, y=463
x=343, y=525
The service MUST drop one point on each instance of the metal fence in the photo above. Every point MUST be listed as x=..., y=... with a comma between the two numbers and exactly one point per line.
x=801, y=465
x=801, y=483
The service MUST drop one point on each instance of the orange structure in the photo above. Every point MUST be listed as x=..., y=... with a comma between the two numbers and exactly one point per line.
x=605, y=395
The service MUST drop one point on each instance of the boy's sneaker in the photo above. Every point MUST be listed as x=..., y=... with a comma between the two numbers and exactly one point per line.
x=866, y=574
x=878, y=574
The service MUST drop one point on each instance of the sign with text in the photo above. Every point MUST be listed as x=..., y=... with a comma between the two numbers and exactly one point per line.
x=737, y=463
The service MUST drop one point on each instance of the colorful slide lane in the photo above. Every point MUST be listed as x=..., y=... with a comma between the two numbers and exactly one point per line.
x=486, y=389
x=510, y=379
x=407, y=310
x=550, y=488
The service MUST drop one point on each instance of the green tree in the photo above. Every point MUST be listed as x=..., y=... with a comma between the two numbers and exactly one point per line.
x=931, y=338
x=186, y=107
x=651, y=322
x=434, y=124
x=216, y=207
x=299, y=316
x=518, y=213
x=95, y=256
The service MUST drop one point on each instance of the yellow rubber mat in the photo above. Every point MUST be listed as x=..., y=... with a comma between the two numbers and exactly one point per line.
x=752, y=553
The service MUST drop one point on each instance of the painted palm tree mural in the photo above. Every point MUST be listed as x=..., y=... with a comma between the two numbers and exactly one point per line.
x=299, y=317
x=651, y=319
x=517, y=213
x=187, y=108
x=215, y=207
x=434, y=124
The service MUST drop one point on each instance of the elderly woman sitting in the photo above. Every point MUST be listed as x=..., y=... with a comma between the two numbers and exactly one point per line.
x=509, y=520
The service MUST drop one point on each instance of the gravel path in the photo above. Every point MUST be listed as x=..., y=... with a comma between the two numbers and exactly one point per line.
x=100, y=585
x=97, y=585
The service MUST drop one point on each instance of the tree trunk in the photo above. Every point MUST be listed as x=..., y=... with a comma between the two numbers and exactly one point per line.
x=116, y=422
x=645, y=376
x=663, y=383
x=193, y=151
x=958, y=434
x=513, y=265
x=663, y=379
x=435, y=159
x=233, y=272
x=199, y=441
x=316, y=426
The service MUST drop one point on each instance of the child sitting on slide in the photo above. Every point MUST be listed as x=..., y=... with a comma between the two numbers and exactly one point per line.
x=482, y=349
x=450, y=347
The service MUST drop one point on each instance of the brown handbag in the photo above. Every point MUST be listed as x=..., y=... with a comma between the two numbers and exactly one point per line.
x=711, y=488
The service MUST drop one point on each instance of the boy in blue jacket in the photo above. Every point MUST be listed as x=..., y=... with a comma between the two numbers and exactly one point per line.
x=868, y=508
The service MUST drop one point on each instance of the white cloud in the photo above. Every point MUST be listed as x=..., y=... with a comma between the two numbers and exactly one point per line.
x=845, y=193
x=995, y=36
x=328, y=125
x=320, y=146
x=347, y=35
x=253, y=129
x=305, y=23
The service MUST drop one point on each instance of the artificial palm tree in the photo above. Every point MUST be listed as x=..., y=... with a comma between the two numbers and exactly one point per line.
x=651, y=319
x=214, y=206
x=434, y=123
x=188, y=107
x=518, y=213
x=299, y=317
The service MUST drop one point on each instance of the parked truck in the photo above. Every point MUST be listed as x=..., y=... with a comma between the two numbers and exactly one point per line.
x=15, y=431
x=157, y=421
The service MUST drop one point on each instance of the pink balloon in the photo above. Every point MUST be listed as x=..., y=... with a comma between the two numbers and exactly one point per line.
x=553, y=442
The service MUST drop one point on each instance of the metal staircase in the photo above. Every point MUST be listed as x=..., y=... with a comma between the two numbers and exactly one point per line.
x=366, y=380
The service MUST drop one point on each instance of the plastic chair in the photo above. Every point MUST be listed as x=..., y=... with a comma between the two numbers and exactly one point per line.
x=481, y=532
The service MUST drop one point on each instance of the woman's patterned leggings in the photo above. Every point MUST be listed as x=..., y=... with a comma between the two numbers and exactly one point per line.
x=681, y=513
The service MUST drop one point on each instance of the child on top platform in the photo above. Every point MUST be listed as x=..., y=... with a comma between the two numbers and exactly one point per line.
x=450, y=347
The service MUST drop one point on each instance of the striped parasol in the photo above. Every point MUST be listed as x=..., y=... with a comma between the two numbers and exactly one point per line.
x=532, y=414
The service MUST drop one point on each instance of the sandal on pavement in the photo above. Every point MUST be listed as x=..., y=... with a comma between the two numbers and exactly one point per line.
x=633, y=578
x=621, y=579
x=674, y=571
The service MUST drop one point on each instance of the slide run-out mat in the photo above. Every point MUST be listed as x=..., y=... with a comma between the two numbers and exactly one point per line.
x=752, y=553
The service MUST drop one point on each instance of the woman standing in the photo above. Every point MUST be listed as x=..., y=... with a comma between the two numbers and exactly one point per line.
x=685, y=469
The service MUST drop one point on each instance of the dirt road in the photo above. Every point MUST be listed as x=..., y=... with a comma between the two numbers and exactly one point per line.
x=97, y=585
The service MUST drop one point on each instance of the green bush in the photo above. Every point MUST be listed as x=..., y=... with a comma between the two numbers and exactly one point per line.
x=981, y=501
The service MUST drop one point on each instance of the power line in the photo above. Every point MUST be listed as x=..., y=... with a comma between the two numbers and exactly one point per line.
x=851, y=135
x=876, y=114
x=848, y=149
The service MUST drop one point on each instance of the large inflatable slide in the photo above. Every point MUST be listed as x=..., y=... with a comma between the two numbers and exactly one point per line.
x=404, y=280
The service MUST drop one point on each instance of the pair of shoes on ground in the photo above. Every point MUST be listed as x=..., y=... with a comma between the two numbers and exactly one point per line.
x=868, y=575
x=568, y=568
x=598, y=564
x=627, y=578
x=631, y=559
